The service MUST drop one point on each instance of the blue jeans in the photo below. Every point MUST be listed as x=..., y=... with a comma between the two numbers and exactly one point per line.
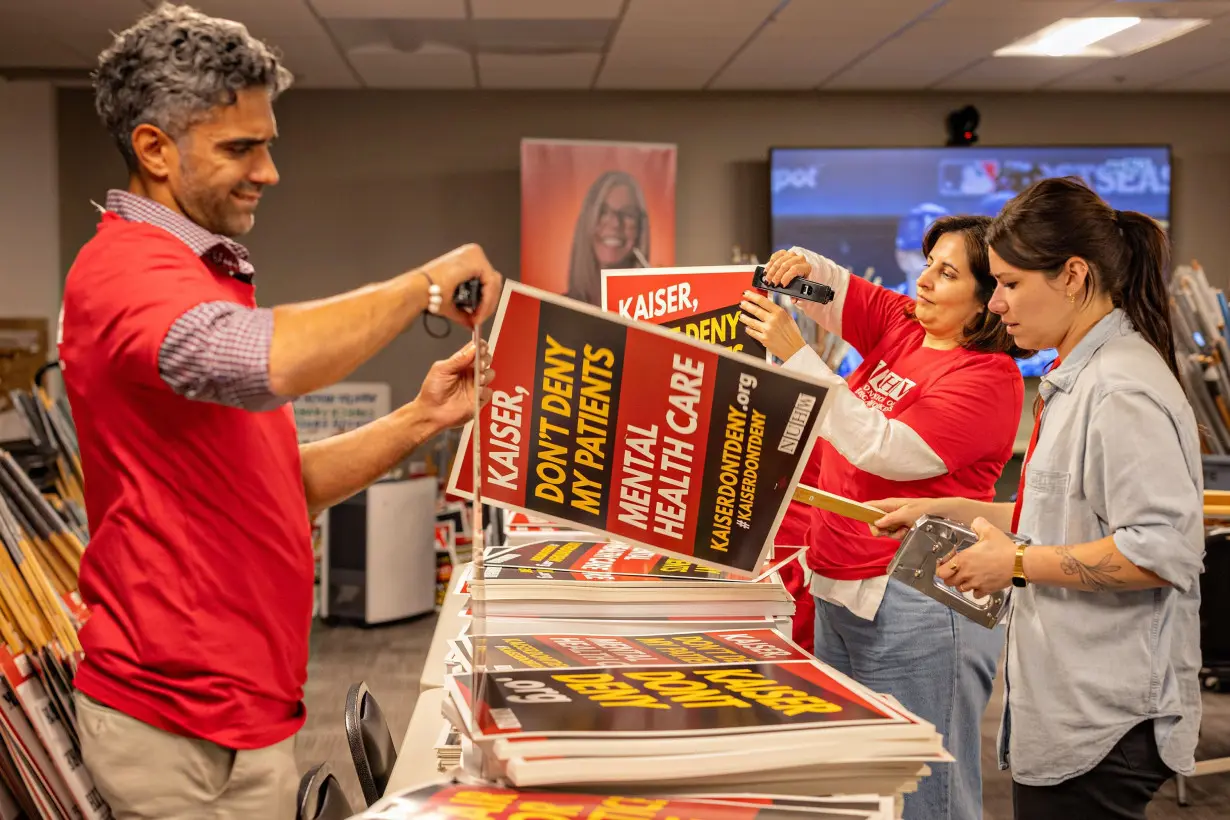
x=940, y=665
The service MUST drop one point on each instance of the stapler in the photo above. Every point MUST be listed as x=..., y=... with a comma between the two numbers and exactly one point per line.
x=469, y=295
x=931, y=542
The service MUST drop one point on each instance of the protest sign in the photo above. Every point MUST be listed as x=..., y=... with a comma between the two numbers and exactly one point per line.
x=700, y=302
x=636, y=433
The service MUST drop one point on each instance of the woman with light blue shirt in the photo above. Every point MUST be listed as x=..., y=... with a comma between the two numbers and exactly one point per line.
x=1102, y=700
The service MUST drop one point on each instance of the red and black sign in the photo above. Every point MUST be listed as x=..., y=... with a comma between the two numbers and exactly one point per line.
x=638, y=434
x=581, y=560
x=660, y=701
x=700, y=302
x=440, y=801
x=687, y=648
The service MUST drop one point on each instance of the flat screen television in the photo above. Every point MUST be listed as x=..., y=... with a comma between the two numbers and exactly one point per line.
x=868, y=208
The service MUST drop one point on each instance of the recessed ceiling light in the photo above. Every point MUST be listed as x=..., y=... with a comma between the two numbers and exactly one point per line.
x=1099, y=37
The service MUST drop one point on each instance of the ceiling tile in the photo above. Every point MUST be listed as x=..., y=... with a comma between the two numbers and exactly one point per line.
x=268, y=19
x=1155, y=66
x=86, y=28
x=831, y=19
x=923, y=54
x=537, y=71
x=1213, y=78
x=315, y=62
x=694, y=18
x=1011, y=74
x=1160, y=8
x=1042, y=12
x=800, y=47
x=663, y=63
x=382, y=67
x=789, y=59
x=26, y=44
x=545, y=9
x=390, y=9
x=678, y=44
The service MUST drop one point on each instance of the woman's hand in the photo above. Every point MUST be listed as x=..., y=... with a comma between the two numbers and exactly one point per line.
x=786, y=266
x=901, y=513
x=770, y=324
x=983, y=568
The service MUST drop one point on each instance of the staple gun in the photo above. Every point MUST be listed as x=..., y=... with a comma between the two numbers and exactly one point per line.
x=929, y=543
x=933, y=541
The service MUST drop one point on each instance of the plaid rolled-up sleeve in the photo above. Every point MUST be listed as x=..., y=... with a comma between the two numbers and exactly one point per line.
x=219, y=352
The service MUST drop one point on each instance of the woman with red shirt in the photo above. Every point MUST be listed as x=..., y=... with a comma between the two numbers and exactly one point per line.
x=933, y=411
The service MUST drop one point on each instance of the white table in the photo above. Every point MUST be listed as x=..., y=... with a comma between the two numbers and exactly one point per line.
x=416, y=759
x=448, y=624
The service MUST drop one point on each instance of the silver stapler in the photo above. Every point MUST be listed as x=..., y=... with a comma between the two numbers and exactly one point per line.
x=931, y=542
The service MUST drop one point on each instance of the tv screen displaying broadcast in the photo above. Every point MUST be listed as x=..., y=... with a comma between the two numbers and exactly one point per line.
x=869, y=208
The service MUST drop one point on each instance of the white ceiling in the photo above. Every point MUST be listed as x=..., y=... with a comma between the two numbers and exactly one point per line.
x=828, y=45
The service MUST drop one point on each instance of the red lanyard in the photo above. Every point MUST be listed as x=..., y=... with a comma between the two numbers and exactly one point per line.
x=1029, y=453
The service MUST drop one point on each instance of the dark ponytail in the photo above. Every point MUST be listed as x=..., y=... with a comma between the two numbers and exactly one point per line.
x=1128, y=254
x=1145, y=295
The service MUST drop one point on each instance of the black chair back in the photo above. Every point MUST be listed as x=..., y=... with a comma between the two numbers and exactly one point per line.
x=320, y=796
x=371, y=742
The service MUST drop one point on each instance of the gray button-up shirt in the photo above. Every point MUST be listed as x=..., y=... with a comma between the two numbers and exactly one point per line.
x=1117, y=455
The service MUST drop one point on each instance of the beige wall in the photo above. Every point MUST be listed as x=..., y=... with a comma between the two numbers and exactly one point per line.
x=29, y=212
x=374, y=182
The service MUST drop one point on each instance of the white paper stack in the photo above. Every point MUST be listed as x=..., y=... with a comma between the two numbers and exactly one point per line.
x=448, y=749
x=433, y=801
x=741, y=711
x=603, y=579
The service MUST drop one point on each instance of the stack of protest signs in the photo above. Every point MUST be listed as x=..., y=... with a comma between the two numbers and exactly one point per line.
x=627, y=637
x=743, y=710
x=432, y=801
x=43, y=535
x=588, y=579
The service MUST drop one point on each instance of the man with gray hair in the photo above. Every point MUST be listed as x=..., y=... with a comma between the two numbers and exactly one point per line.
x=199, y=573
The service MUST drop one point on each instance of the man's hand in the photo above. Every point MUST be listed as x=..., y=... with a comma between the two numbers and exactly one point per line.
x=460, y=265
x=768, y=323
x=447, y=394
x=983, y=568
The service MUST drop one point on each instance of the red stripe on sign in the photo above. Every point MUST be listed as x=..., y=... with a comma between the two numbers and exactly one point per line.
x=663, y=429
x=505, y=421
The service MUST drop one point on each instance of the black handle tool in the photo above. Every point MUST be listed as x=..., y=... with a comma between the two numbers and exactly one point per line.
x=798, y=288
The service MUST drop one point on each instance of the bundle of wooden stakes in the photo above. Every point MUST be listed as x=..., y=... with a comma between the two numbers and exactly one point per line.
x=1200, y=318
x=42, y=541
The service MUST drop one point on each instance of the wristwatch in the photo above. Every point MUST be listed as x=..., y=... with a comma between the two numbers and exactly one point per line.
x=1018, y=569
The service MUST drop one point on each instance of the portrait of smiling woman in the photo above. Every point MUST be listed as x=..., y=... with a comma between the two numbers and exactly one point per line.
x=612, y=232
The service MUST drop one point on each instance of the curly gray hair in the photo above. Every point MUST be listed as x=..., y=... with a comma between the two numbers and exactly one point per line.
x=174, y=65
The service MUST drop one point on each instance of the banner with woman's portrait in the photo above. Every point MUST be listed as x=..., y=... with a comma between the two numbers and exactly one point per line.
x=588, y=206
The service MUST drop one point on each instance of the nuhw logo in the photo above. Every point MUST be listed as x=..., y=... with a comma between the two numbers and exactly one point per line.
x=784, y=178
x=797, y=424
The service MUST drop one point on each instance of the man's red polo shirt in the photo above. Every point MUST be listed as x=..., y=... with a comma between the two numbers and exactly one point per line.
x=199, y=570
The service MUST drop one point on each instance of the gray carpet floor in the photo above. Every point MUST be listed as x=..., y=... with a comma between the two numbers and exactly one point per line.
x=390, y=659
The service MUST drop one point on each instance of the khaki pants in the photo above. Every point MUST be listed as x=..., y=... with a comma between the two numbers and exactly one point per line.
x=146, y=773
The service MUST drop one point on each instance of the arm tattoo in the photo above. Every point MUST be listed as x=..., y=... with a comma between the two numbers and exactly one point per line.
x=1097, y=577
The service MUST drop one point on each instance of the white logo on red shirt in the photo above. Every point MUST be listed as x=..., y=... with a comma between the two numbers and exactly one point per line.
x=884, y=388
